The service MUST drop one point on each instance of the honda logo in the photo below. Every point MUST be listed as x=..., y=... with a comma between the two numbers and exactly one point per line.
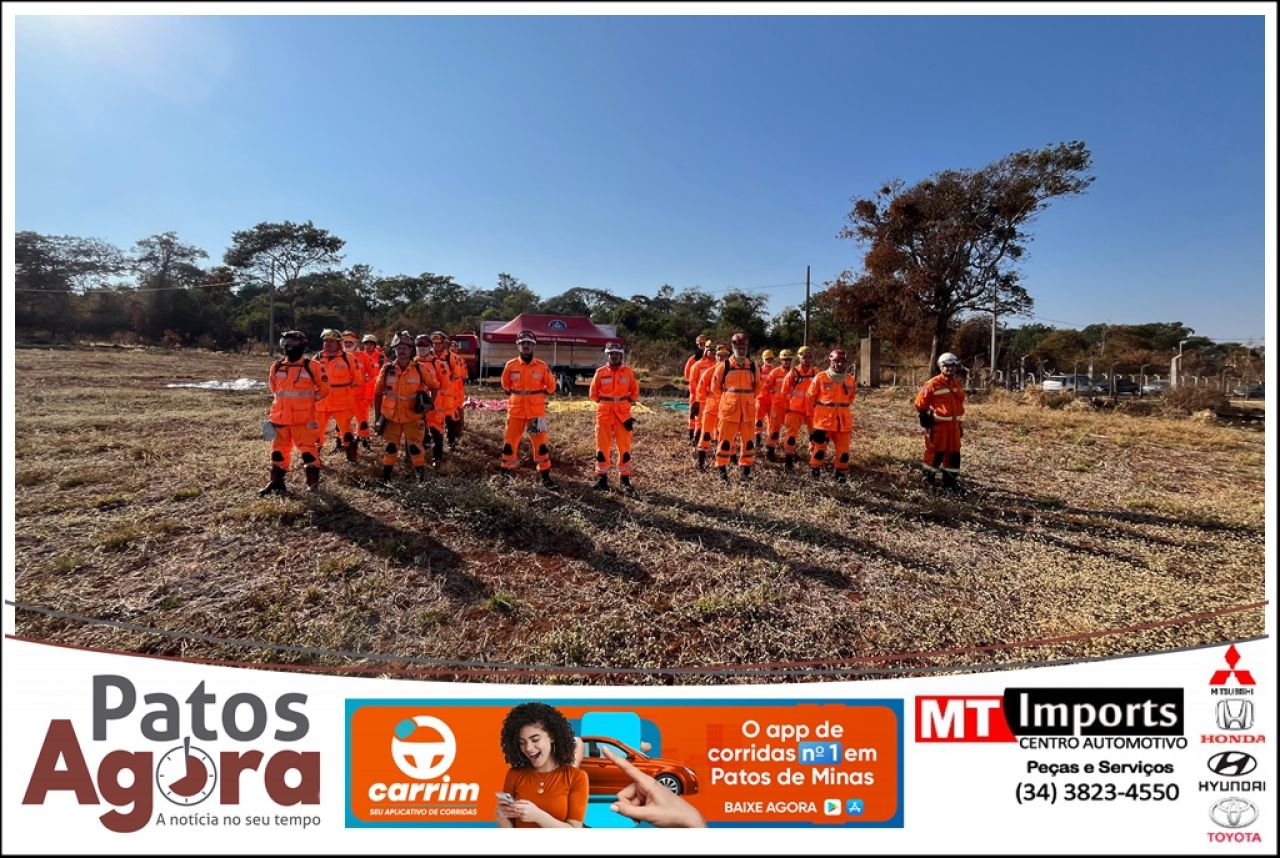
x=1235, y=714
x=1233, y=812
x=1232, y=764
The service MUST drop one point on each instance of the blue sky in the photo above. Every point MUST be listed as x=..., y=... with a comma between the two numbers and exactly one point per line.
x=626, y=152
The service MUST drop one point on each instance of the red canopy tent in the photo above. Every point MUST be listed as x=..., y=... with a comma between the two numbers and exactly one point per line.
x=575, y=330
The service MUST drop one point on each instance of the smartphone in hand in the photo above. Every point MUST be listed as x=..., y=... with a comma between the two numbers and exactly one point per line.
x=506, y=798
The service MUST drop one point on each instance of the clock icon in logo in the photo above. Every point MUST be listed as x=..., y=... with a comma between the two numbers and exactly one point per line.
x=186, y=775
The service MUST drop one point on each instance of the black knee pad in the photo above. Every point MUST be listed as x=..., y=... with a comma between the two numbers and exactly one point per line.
x=706, y=436
x=954, y=460
x=348, y=437
x=392, y=449
x=506, y=449
x=820, y=455
x=308, y=458
x=751, y=444
x=364, y=426
x=277, y=456
x=413, y=450
x=724, y=445
x=844, y=458
x=626, y=457
x=544, y=450
x=791, y=440
x=937, y=459
x=600, y=456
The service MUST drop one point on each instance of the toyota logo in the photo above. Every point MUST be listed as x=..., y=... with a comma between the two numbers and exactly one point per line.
x=1232, y=764
x=1233, y=812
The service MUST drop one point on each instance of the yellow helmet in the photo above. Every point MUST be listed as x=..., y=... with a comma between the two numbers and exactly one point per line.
x=768, y=354
x=804, y=350
x=786, y=354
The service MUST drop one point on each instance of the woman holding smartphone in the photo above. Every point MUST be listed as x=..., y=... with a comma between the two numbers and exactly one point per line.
x=545, y=789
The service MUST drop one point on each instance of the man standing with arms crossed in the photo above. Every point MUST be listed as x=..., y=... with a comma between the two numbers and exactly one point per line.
x=527, y=380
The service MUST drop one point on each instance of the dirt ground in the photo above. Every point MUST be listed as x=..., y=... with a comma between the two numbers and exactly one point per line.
x=1083, y=534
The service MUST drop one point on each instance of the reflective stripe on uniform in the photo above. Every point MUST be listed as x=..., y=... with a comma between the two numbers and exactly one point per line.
x=942, y=391
x=941, y=419
x=295, y=394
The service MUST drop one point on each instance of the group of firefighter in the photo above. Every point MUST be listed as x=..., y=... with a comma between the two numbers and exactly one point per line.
x=416, y=394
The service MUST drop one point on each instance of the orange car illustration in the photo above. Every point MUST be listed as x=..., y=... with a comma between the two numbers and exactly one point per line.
x=605, y=777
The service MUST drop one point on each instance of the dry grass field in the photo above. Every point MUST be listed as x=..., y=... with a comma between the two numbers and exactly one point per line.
x=136, y=505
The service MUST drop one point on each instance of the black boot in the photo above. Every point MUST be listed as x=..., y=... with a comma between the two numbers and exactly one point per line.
x=733, y=459
x=353, y=451
x=504, y=476
x=949, y=481
x=790, y=462
x=364, y=442
x=602, y=482
x=276, y=486
x=815, y=473
x=841, y=479
x=724, y=474
x=771, y=454
x=437, y=448
x=313, y=477
x=627, y=488
x=421, y=471
x=702, y=460
x=548, y=483
x=386, y=472
x=337, y=444
x=931, y=477
x=746, y=473
x=693, y=436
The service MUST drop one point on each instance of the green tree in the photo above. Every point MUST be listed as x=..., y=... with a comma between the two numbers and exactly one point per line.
x=743, y=311
x=951, y=243
x=166, y=268
x=52, y=269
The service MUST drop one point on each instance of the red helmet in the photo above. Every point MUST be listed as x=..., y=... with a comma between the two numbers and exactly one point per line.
x=739, y=339
x=837, y=354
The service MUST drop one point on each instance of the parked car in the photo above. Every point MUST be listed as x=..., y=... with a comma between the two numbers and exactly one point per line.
x=1154, y=388
x=605, y=777
x=1252, y=391
x=1066, y=383
x=1123, y=387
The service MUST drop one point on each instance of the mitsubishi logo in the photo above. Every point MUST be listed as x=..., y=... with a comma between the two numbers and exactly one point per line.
x=1243, y=677
x=1232, y=764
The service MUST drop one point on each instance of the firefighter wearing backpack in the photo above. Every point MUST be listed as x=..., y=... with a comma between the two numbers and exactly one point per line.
x=614, y=388
x=296, y=384
x=940, y=405
x=363, y=393
x=527, y=380
x=709, y=408
x=345, y=378
x=794, y=388
x=440, y=369
x=453, y=421
x=777, y=403
x=764, y=400
x=401, y=398
x=698, y=399
x=699, y=352
x=829, y=399
x=736, y=382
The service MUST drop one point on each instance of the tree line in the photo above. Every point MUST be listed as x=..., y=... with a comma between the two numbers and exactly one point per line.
x=938, y=259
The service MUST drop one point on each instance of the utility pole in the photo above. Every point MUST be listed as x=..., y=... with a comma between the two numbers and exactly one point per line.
x=271, y=316
x=806, y=306
x=992, y=368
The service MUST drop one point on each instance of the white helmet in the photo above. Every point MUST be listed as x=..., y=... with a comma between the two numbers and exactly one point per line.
x=614, y=347
x=948, y=358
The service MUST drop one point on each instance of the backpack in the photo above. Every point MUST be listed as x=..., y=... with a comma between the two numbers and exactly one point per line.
x=306, y=367
x=751, y=365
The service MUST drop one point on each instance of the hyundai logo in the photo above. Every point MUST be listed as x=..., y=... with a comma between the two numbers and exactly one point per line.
x=1233, y=812
x=1232, y=764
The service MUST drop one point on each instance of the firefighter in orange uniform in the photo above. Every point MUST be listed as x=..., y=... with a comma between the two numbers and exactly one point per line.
x=764, y=401
x=940, y=404
x=794, y=387
x=528, y=380
x=363, y=393
x=777, y=402
x=458, y=367
x=345, y=378
x=401, y=397
x=369, y=346
x=296, y=384
x=442, y=400
x=697, y=397
x=614, y=388
x=736, y=382
x=830, y=397
x=699, y=352
x=709, y=407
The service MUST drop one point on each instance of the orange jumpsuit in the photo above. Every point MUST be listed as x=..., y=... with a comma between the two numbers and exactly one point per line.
x=737, y=384
x=829, y=399
x=688, y=377
x=777, y=405
x=613, y=391
x=446, y=402
x=794, y=387
x=942, y=442
x=764, y=400
x=697, y=399
x=708, y=409
x=345, y=378
x=295, y=388
x=528, y=385
x=369, y=368
x=396, y=391
x=453, y=423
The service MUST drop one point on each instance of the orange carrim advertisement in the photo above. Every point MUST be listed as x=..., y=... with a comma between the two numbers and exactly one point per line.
x=624, y=763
